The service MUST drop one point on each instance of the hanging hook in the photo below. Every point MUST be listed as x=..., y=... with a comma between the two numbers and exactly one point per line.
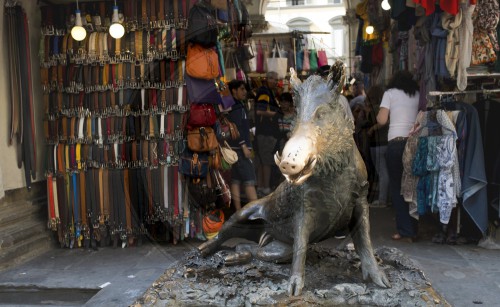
x=11, y=3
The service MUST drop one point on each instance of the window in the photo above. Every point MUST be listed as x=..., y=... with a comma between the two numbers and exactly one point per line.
x=334, y=1
x=295, y=2
x=338, y=37
x=299, y=23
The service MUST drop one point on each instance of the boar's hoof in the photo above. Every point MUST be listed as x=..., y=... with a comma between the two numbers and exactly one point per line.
x=265, y=238
x=381, y=280
x=206, y=248
x=238, y=258
x=295, y=285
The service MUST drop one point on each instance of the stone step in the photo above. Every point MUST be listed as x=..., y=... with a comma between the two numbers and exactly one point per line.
x=20, y=211
x=25, y=250
x=16, y=233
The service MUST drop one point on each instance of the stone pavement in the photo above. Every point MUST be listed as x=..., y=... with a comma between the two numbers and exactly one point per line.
x=465, y=275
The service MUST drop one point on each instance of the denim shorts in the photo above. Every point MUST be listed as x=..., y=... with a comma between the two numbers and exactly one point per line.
x=243, y=171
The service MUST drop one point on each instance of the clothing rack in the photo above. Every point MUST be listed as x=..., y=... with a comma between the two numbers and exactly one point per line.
x=482, y=91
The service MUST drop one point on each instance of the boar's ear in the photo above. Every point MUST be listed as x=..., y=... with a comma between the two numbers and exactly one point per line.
x=336, y=77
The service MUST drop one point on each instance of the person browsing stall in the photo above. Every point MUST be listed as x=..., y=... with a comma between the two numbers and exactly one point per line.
x=267, y=130
x=243, y=171
x=400, y=104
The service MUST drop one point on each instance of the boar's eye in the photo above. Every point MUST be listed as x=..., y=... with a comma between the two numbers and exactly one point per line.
x=320, y=114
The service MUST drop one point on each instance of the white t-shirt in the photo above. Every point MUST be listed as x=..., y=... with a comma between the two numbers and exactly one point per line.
x=403, y=111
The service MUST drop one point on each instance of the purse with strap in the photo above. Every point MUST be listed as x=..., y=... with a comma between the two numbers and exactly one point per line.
x=202, y=139
x=201, y=115
x=201, y=62
x=202, y=27
x=228, y=154
x=193, y=164
x=202, y=91
x=228, y=129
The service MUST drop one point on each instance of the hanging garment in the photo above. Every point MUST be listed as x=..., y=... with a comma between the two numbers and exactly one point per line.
x=452, y=23
x=439, y=36
x=474, y=196
x=447, y=197
x=466, y=31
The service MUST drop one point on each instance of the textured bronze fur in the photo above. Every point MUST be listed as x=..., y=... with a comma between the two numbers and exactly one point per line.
x=332, y=198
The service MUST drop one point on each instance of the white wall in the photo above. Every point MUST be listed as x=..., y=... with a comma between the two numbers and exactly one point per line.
x=11, y=177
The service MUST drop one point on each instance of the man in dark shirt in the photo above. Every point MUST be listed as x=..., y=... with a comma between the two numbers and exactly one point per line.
x=243, y=171
x=267, y=131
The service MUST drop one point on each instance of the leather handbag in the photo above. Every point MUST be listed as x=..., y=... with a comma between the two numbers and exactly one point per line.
x=215, y=159
x=201, y=115
x=193, y=164
x=202, y=91
x=228, y=129
x=202, y=139
x=201, y=62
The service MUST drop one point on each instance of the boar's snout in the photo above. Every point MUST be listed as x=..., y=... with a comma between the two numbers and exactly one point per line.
x=297, y=160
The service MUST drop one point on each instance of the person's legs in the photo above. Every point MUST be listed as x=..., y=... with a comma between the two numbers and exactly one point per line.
x=267, y=144
x=378, y=157
x=235, y=195
x=250, y=192
x=266, y=178
x=405, y=224
x=247, y=175
x=383, y=175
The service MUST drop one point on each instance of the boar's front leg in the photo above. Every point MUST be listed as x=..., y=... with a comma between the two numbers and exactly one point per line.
x=360, y=232
x=304, y=226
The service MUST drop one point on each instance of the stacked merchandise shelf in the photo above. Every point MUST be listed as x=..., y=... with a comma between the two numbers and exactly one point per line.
x=115, y=120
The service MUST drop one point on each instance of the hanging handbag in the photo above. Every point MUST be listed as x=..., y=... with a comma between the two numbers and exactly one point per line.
x=202, y=192
x=228, y=154
x=201, y=62
x=322, y=59
x=215, y=159
x=230, y=67
x=202, y=25
x=243, y=55
x=260, y=58
x=201, y=115
x=202, y=91
x=313, y=58
x=299, y=60
x=219, y=4
x=193, y=164
x=227, y=98
x=277, y=62
x=228, y=129
x=202, y=139
x=222, y=190
x=305, y=65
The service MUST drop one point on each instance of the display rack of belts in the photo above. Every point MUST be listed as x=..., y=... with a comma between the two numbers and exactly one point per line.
x=115, y=116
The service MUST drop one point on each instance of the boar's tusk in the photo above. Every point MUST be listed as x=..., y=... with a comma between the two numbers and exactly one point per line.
x=294, y=80
x=277, y=158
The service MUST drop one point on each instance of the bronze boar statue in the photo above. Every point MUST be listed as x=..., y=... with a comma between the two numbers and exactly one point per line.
x=325, y=189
